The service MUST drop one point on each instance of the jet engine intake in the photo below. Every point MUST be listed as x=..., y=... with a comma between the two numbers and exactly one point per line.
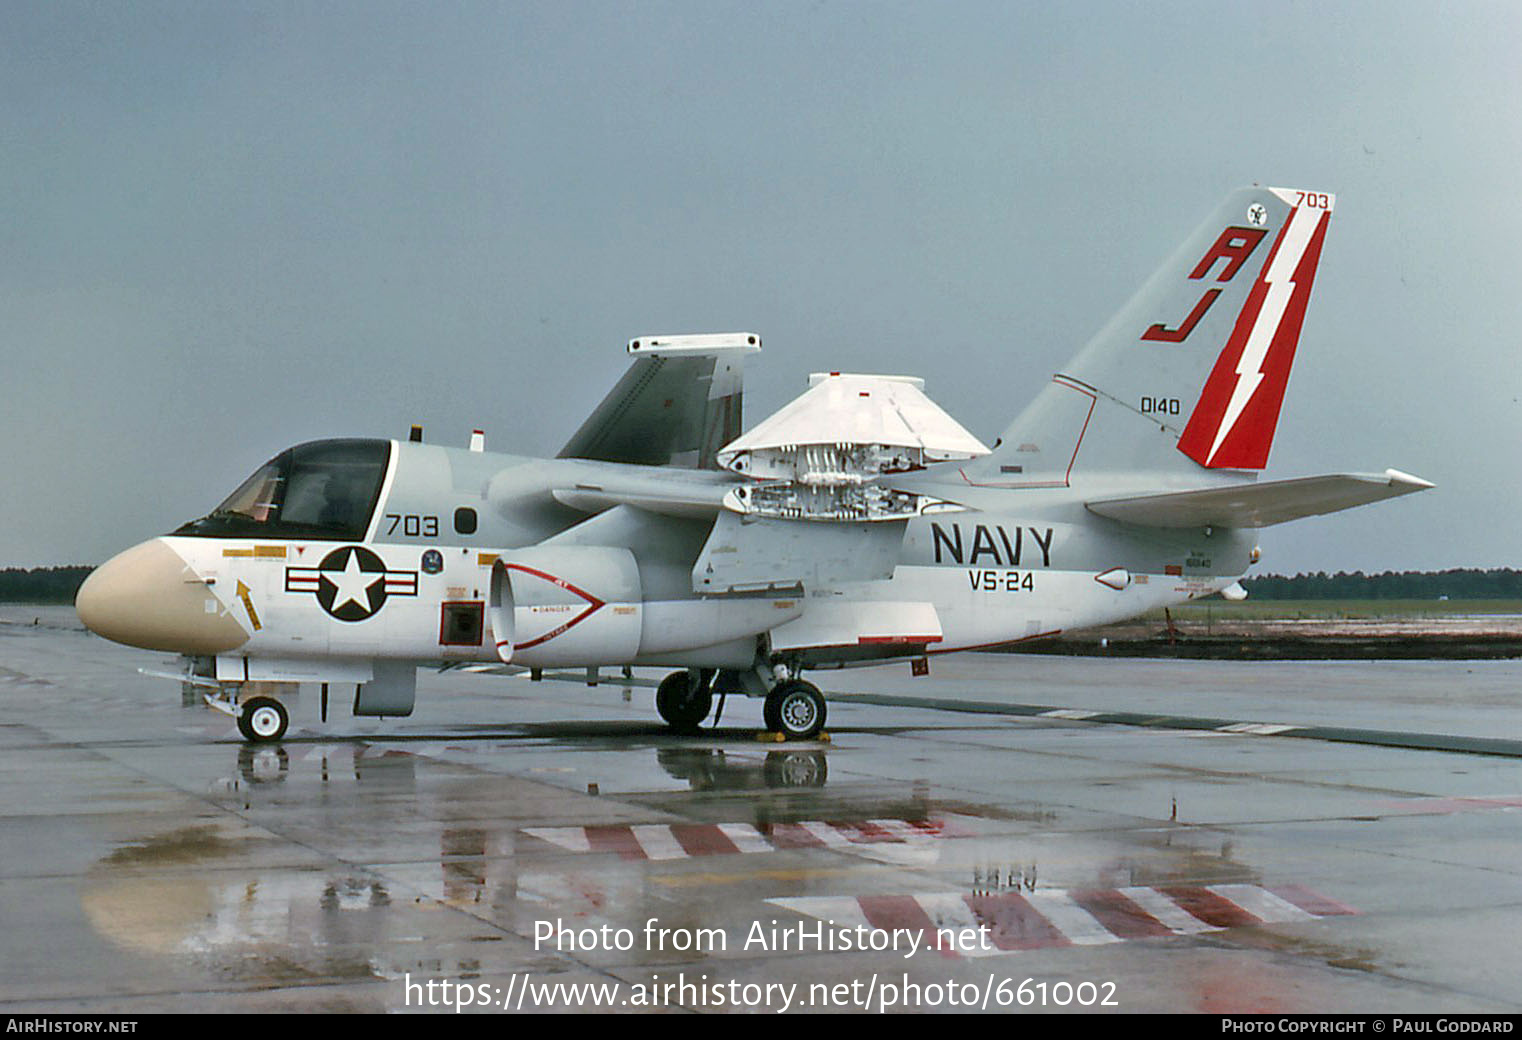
x=568, y=605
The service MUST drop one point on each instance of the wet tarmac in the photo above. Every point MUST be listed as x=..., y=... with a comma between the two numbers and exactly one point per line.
x=1078, y=834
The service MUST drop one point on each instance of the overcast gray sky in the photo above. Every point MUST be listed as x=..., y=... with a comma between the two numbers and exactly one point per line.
x=232, y=227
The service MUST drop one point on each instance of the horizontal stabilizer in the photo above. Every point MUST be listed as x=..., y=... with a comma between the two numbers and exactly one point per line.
x=1259, y=505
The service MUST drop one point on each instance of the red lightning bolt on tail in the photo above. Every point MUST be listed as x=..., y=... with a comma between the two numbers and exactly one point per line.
x=1232, y=426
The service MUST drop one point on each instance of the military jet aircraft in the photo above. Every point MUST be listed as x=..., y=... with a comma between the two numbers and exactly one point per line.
x=858, y=524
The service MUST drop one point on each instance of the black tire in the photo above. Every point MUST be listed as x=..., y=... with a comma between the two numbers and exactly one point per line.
x=263, y=719
x=795, y=709
x=683, y=703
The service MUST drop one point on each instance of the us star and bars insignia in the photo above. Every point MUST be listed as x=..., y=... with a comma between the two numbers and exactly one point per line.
x=351, y=583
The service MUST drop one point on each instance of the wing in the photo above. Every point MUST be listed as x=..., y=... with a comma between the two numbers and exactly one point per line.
x=677, y=405
x=1259, y=505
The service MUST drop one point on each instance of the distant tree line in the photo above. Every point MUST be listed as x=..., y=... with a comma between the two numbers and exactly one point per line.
x=41, y=584
x=1502, y=583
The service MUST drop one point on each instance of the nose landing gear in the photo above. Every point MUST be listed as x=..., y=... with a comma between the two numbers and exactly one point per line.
x=263, y=719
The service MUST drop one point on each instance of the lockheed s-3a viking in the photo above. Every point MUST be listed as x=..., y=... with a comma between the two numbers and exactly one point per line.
x=859, y=523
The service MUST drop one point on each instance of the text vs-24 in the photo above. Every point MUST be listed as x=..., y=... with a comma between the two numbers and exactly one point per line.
x=1001, y=581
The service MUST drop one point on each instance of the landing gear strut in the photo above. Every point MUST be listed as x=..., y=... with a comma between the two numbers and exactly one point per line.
x=684, y=699
x=794, y=708
x=263, y=719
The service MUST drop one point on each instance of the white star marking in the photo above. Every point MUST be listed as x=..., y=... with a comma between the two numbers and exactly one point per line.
x=352, y=585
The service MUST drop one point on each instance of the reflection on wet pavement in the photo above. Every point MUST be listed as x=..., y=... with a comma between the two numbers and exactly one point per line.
x=153, y=862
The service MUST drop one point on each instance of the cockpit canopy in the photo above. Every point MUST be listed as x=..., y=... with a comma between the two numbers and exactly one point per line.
x=322, y=490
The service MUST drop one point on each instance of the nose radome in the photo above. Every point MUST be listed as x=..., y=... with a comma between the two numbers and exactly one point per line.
x=148, y=597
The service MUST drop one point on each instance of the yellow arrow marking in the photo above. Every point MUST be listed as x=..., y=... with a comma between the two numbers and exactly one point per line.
x=248, y=605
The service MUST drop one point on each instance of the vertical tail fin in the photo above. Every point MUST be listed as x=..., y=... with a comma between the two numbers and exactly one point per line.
x=1190, y=375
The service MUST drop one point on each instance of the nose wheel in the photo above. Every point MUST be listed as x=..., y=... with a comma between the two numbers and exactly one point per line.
x=796, y=709
x=263, y=719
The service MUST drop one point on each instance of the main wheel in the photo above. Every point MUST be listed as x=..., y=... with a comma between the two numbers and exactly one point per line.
x=682, y=702
x=796, y=709
x=263, y=719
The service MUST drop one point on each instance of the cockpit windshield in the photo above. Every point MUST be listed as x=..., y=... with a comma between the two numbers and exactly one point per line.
x=325, y=490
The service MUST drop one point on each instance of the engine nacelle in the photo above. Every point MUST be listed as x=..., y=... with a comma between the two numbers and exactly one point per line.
x=566, y=606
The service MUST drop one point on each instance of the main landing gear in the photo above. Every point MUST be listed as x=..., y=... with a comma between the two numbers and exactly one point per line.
x=684, y=699
x=794, y=707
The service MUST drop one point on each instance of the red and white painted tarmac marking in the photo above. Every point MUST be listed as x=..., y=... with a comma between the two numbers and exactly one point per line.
x=887, y=840
x=1072, y=917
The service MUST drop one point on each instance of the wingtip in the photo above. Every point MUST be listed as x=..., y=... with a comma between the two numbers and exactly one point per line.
x=1395, y=476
